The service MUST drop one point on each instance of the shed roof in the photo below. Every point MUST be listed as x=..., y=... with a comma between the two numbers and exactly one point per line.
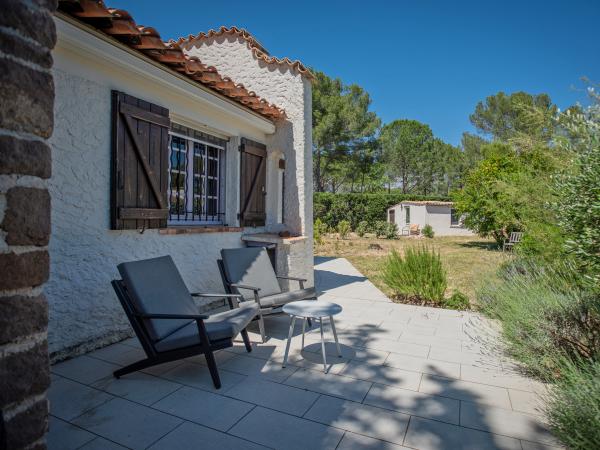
x=423, y=203
x=119, y=24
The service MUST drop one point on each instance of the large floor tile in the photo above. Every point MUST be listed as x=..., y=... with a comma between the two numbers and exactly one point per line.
x=269, y=370
x=363, y=419
x=403, y=348
x=424, y=365
x=417, y=403
x=102, y=444
x=352, y=441
x=527, y=402
x=204, y=408
x=69, y=399
x=465, y=390
x=64, y=436
x=138, y=387
x=120, y=354
x=198, y=376
x=127, y=423
x=221, y=357
x=84, y=369
x=432, y=435
x=495, y=377
x=382, y=374
x=282, y=431
x=505, y=422
x=272, y=395
x=190, y=436
x=330, y=384
x=162, y=368
x=465, y=358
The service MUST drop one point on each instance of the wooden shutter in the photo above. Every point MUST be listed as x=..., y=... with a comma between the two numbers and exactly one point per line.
x=253, y=180
x=140, y=163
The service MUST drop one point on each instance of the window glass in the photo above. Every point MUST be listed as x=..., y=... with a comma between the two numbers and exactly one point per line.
x=195, y=179
x=407, y=211
x=454, y=217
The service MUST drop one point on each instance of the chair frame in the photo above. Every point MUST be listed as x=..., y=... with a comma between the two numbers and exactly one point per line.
x=513, y=239
x=229, y=287
x=155, y=357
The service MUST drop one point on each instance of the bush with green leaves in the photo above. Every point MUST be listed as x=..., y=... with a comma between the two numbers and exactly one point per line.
x=418, y=274
x=354, y=207
x=343, y=228
x=363, y=228
x=428, y=231
x=391, y=231
x=319, y=230
x=546, y=313
x=380, y=228
x=457, y=300
x=573, y=405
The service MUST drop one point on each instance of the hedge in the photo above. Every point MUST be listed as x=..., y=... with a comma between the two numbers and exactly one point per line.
x=332, y=208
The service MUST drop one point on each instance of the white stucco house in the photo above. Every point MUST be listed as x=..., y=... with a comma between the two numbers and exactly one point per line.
x=440, y=215
x=180, y=148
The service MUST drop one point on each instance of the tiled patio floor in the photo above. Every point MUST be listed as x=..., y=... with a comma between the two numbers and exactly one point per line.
x=409, y=377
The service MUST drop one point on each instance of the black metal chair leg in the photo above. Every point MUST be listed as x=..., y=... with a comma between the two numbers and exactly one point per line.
x=139, y=365
x=246, y=339
x=212, y=367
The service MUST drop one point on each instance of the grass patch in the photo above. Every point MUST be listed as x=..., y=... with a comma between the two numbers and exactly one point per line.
x=467, y=259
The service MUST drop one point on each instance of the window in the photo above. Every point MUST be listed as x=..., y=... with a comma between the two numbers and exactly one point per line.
x=196, y=177
x=407, y=212
x=392, y=216
x=454, y=218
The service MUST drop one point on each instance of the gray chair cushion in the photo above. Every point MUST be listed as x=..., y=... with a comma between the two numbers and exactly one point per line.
x=250, y=266
x=219, y=326
x=155, y=286
x=272, y=301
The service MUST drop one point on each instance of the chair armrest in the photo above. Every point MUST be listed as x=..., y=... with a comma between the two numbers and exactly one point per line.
x=291, y=278
x=243, y=286
x=202, y=294
x=172, y=316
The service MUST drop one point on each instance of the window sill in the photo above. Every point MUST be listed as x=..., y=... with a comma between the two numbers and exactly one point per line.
x=199, y=229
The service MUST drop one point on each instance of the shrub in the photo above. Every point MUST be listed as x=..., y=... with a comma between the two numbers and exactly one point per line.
x=428, y=231
x=362, y=228
x=419, y=274
x=380, y=228
x=391, y=231
x=319, y=230
x=546, y=313
x=354, y=207
x=458, y=300
x=343, y=228
x=573, y=406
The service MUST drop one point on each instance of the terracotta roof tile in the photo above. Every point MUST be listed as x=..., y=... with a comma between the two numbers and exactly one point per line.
x=259, y=51
x=119, y=24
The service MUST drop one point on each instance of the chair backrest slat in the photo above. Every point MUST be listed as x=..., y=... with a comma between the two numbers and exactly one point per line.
x=155, y=286
x=250, y=266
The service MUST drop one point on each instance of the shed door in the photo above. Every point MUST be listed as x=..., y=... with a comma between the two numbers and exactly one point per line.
x=253, y=179
x=140, y=170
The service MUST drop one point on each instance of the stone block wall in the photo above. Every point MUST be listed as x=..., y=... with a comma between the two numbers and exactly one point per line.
x=27, y=35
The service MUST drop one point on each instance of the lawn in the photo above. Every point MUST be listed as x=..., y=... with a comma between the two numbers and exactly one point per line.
x=468, y=259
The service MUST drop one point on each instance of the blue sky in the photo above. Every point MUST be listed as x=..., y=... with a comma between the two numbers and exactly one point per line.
x=420, y=59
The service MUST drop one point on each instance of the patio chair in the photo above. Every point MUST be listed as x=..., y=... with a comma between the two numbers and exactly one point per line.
x=249, y=272
x=405, y=231
x=166, y=320
x=513, y=239
x=415, y=229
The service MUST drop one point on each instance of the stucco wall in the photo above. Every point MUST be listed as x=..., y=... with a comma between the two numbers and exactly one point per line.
x=291, y=91
x=438, y=217
x=83, y=308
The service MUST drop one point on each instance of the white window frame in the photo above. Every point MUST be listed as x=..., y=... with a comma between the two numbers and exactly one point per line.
x=189, y=182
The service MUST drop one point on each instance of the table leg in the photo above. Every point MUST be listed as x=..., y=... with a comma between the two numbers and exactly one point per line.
x=287, y=345
x=323, y=347
x=337, y=344
x=303, y=329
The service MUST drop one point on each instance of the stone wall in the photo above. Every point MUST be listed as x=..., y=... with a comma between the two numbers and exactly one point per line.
x=27, y=35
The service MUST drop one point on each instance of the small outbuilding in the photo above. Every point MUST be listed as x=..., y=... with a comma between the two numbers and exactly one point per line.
x=412, y=216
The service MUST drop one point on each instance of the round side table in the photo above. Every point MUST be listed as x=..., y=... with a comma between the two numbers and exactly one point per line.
x=311, y=309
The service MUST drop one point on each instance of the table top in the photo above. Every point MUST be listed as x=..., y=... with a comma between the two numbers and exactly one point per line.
x=312, y=308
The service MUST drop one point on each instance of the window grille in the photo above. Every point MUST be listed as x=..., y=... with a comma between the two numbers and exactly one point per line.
x=196, y=178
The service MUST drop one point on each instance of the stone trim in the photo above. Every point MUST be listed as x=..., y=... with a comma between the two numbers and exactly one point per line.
x=199, y=229
x=27, y=36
